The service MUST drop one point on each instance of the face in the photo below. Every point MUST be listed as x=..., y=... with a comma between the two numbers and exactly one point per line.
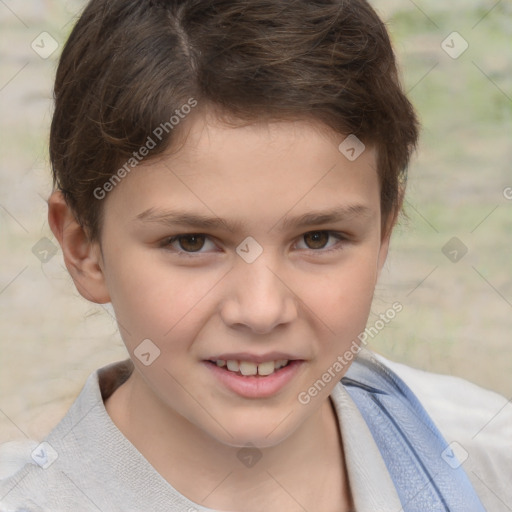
x=248, y=248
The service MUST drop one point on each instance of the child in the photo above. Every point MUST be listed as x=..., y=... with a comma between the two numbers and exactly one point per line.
x=228, y=175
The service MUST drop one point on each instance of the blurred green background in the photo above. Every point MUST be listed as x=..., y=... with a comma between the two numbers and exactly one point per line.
x=457, y=311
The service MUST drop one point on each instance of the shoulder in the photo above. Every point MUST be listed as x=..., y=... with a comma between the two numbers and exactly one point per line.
x=39, y=476
x=458, y=407
x=476, y=422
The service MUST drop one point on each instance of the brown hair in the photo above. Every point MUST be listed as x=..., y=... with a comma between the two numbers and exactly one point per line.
x=130, y=65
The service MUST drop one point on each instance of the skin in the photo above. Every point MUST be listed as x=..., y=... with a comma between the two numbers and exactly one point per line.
x=297, y=297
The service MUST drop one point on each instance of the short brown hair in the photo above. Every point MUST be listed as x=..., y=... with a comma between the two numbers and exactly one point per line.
x=128, y=65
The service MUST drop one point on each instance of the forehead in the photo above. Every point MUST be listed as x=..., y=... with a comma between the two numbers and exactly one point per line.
x=258, y=171
x=306, y=141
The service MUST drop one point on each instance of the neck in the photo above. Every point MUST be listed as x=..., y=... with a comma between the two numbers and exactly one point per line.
x=218, y=476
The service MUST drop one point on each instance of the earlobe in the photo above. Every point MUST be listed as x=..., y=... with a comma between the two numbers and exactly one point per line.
x=81, y=256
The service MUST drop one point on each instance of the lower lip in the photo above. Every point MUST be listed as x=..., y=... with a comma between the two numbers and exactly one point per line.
x=256, y=386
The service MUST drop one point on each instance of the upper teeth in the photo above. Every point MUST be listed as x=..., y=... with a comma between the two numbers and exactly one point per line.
x=250, y=368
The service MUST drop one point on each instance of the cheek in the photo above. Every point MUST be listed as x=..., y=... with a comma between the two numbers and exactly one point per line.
x=341, y=298
x=348, y=286
x=156, y=301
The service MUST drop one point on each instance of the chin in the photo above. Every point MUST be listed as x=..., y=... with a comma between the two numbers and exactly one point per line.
x=264, y=433
x=254, y=441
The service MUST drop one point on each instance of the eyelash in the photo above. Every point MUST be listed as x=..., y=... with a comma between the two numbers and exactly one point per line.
x=191, y=254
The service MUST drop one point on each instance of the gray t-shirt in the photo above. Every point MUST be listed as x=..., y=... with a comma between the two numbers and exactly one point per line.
x=86, y=463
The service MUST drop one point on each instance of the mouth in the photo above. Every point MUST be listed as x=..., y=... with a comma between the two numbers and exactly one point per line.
x=260, y=378
x=250, y=368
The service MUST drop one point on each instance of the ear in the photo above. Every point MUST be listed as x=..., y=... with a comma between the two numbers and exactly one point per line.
x=82, y=257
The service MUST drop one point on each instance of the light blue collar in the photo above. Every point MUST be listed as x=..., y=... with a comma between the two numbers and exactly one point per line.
x=413, y=449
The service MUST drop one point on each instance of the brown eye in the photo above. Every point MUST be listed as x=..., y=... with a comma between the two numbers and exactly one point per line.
x=316, y=239
x=191, y=243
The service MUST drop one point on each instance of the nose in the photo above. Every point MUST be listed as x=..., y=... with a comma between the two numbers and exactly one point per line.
x=258, y=298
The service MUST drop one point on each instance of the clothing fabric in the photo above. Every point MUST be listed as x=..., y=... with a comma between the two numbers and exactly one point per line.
x=477, y=424
x=425, y=470
x=86, y=464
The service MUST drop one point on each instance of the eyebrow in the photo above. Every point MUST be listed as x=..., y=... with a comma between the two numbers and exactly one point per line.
x=195, y=220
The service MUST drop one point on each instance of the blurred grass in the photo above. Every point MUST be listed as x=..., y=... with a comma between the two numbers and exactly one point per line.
x=455, y=321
